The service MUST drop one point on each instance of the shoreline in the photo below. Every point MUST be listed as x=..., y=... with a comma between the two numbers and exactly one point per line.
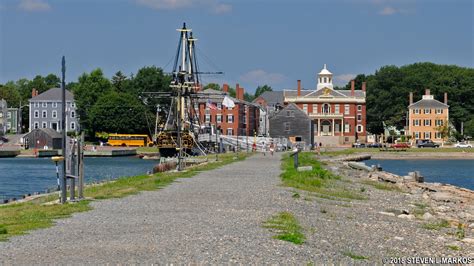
x=422, y=155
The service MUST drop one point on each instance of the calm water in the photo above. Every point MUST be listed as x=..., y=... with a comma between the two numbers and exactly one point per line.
x=19, y=176
x=455, y=172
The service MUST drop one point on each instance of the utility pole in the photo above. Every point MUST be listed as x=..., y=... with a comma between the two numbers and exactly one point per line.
x=63, y=127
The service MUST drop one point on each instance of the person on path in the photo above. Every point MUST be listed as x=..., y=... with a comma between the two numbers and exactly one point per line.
x=272, y=148
x=264, y=148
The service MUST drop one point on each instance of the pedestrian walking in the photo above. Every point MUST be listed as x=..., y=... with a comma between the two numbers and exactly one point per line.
x=272, y=148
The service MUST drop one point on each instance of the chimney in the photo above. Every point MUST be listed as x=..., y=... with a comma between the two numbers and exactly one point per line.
x=427, y=91
x=242, y=92
x=411, y=98
x=364, y=85
x=299, y=87
x=352, y=87
x=446, y=98
x=33, y=92
x=238, y=91
x=225, y=87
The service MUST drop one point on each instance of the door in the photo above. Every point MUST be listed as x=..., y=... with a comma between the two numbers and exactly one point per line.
x=54, y=126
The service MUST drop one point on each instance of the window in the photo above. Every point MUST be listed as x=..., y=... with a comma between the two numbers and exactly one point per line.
x=73, y=114
x=359, y=108
x=427, y=122
x=439, y=111
x=45, y=104
x=326, y=108
x=360, y=128
x=55, y=105
x=245, y=119
x=289, y=113
x=427, y=135
x=346, y=109
x=73, y=104
x=438, y=135
x=305, y=108
x=9, y=125
x=73, y=125
x=36, y=114
x=416, y=122
x=37, y=105
x=9, y=115
x=315, y=108
x=417, y=135
x=44, y=114
x=336, y=109
x=36, y=125
x=347, y=128
x=427, y=111
x=439, y=122
x=219, y=118
x=287, y=126
x=230, y=119
x=208, y=118
x=359, y=117
x=55, y=114
x=230, y=132
x=43, y=125
x=219, y=106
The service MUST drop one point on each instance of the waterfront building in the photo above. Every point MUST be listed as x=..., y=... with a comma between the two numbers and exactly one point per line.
x=240, y=120
x=13, y=123
x=46, y=110
x=294, y=124
x=427, y=117
x=3, y=117
x=339, y=116
x=269, y=102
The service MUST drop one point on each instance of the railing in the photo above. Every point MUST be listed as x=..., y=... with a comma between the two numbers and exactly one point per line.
x=326, y=115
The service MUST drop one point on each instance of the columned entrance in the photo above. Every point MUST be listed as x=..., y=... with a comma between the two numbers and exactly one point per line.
x=326, y=128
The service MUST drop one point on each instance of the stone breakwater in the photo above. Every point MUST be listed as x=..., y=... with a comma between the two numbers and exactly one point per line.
x=446, y=202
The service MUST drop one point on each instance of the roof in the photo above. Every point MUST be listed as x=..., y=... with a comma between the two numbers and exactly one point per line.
x=429, y=103
x=272, y=97
x=54, y=94
x=290, y=106
x=324, y=71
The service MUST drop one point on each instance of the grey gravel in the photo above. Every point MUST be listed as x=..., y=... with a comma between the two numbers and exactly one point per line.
x=216, y=217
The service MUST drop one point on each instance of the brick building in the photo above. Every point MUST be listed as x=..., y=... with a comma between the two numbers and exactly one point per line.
x=339, y=116
x=241, y=120
x=427, y=116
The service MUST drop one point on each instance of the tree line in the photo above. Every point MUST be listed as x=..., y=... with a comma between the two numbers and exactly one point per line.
x=116, y=105
x=389, y=87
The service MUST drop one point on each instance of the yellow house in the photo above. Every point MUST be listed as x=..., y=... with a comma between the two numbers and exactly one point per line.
x=427, y=117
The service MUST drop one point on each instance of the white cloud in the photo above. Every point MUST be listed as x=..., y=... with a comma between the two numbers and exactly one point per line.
x=213, y=5
x=34, y=5
x=344, y=78
x=387, y=11
x=260, y=76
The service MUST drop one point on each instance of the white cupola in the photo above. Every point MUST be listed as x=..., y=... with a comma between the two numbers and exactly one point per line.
x=324, y=79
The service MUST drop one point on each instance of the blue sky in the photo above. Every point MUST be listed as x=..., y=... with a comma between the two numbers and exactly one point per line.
x=257, y=42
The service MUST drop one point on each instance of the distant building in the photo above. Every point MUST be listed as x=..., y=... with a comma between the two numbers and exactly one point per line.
x=426, y=116
x=339, y=116
x=294, y=124
x=241, y=120
x=43, y=138
x=269, y=101
x=46, y=110
x=3, y=117
x=13, y=123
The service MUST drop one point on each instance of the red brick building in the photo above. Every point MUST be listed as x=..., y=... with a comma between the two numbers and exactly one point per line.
x=339, y=116
x=240, y=120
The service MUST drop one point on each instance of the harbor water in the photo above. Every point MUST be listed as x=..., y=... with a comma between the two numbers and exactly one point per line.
x=20, y=176
x=455, y=172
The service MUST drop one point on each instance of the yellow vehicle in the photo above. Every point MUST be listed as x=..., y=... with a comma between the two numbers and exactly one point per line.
x=129, y=140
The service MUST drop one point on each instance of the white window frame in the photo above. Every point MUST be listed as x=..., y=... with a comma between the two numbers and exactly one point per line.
x=347, y=128
x=427, y=135
x=73, y=114
x=439, y=111
x=427, y=122
x=347, y=109
x=427, y=111
x=287, y=126
x=9, y=115
x=54, y=114
x=416, y=111
x=44, y=125
x=230, y=132
x=438, y=135
x=305, y=108
x=55, y=105
x=219, y=118
x=44, y=104
x=417, y=135
x=230, y=118
x=73, y=125
x=315, y=108
x=359, y=117
x=360, y=128
x=207, y=118
x=44, y=114
x=36, y=125
x=37, y=104
x=36, y=114
x=337, y=108
x=359, y=108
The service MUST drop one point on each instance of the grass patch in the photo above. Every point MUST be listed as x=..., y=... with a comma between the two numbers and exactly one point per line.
x=287, y=228
x=354, y=256
x=317, y=180
x=460, y=231
x=19, y=218
x=436, y=225
x=381, y=185
x=453, y=247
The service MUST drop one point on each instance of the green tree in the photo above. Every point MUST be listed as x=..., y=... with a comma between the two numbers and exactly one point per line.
x=469, y=129
x=52, y=81
x=9, y=92
x=248, y=97
x=261, y=89
x=87, y=91
x=121, y=82
x=116, y=112
x=213, y=86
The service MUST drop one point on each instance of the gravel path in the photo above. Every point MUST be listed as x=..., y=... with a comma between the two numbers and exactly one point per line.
x=216, y=217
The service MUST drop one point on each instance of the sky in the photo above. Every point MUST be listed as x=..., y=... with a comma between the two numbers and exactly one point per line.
x=254, y=42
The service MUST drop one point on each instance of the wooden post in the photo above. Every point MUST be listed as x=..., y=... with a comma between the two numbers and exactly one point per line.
x=80, y=189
